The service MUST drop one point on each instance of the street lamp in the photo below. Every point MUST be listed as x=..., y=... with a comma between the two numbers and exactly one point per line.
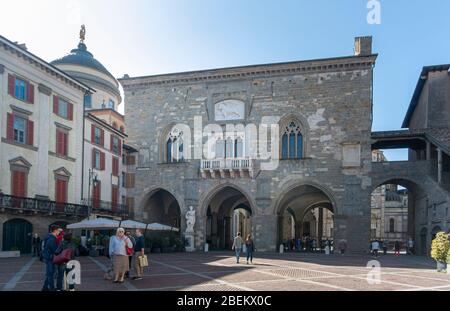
x=94, y=178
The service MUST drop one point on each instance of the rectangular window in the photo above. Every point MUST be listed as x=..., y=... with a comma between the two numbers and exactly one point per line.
x=114, y=197
x=96, y=161
x=115, y=166
x=20, y=126
x=96, y=194
x=98, y=136
x=20, y=89
x=88, y=101
x=123, y=179
x=115, y=144
x=61, y=190
x=111, y=104
x=63, y=108
x=62, y=143
x=19, y=183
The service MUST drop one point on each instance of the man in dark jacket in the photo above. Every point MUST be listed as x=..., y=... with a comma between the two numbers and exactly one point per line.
x=48, y=252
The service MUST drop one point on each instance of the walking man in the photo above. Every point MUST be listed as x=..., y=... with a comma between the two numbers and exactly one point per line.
x=237, y=246
x=48, y=252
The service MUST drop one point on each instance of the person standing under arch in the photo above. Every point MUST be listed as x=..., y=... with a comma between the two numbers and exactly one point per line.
x=250, y=246
x=237, y=246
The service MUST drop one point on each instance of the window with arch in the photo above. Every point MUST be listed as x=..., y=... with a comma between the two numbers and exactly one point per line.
x=292, y=141
x=174, y=146
x=392, y=225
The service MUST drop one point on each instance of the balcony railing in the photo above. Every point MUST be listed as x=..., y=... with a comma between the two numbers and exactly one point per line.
x=104, y=207
x=42, y=206
x=234, y=167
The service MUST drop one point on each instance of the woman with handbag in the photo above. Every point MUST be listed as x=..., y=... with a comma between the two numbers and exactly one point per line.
x=120, y=247
x=63, y=255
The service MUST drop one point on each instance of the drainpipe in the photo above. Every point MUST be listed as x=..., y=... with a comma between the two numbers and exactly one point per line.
x=439, y=152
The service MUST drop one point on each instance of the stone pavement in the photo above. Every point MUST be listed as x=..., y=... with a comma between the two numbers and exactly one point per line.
x=217, y=271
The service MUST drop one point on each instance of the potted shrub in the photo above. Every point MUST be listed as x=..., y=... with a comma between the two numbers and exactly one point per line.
x=439, y=250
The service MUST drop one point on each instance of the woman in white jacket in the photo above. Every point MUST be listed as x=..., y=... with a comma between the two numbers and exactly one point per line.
x=118, y=249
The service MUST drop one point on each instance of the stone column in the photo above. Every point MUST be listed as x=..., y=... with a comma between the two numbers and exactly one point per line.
x=43, y=117
x=265, y=230
x=320, y=226
x=428, y=151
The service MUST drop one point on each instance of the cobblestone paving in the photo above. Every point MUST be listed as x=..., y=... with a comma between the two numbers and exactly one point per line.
x=218, y=271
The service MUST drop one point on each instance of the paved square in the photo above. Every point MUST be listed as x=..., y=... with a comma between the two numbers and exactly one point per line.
x=217, y=271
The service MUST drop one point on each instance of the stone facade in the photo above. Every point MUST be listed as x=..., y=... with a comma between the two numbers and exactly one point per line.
x=330, y=100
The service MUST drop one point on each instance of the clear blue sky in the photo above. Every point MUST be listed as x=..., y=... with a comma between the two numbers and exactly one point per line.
x=150, y=37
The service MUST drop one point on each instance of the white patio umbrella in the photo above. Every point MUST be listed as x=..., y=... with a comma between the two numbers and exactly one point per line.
x=132, y=224
x=99, y=223
x=160, y=227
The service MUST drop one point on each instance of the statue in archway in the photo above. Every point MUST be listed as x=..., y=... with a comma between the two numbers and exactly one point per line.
x=190, y=219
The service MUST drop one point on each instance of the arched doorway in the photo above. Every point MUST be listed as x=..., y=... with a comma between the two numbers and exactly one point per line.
x=17, y=235
x=228, y=212
x=162, y=207
x=305, y=212
x=396, y=206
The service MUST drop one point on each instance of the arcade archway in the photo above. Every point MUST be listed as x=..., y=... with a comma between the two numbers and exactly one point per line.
x=228, y=212
x=162, y=207
x=398, y=207
x=305, y=213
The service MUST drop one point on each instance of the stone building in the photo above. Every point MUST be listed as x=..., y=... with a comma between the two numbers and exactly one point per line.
x=41, y=109
x=104, y=134
x=426, y=173
x=319, y=113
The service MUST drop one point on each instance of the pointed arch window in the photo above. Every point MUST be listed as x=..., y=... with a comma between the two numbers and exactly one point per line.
x=175, y=146
x=292, y=141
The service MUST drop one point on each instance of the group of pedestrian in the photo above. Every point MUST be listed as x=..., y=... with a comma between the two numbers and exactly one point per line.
x=54, y=244
x=238, y=245
x=377, y=245
x=123, y=247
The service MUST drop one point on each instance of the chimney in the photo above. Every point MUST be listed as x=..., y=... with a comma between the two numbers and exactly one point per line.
x=23, y=46
x=363, y=46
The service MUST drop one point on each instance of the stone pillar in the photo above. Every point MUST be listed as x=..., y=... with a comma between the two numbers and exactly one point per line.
x=320, y=225
x=439, y=153
x=265, y=231
x=428, y=151
x=44, y=103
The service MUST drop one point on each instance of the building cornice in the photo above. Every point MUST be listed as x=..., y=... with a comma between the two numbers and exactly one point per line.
x=255, y=71
x=41, y=64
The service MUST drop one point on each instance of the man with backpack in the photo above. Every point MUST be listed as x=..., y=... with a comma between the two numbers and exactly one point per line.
x=48, y=252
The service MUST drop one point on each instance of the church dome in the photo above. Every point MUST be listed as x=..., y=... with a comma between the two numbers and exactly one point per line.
x=82, y=57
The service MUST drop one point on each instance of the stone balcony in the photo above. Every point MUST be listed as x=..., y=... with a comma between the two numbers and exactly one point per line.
x=227, y=168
